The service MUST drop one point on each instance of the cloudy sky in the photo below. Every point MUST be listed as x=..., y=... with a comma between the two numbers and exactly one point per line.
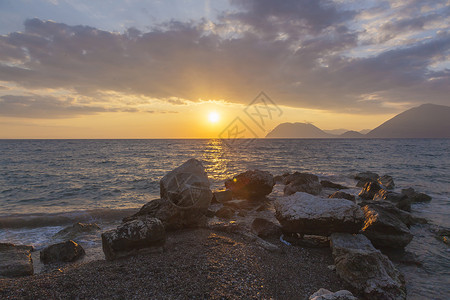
x=156, y=69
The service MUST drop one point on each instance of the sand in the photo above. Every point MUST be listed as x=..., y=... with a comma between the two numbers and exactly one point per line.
x=195, y=264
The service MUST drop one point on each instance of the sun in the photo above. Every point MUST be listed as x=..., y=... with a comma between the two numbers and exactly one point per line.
x=213, y=117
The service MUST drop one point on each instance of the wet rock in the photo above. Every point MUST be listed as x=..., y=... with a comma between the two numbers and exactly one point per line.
x=329, y=184
x=366, y=268
x=251, y=185
x=225, y=213
x=265, y=228
x=173, y=217
x=68, y=251
x=400, y=200
x=222, y=196
x=342, y=195
x=414, y=196
x=387, y=181
x=132, y=236
x=369, y=190
x=324, y=294
x=77, y=229
x=187, y=186
x=384, y=228
x=302, y=182
x=307, y=214
x=15, y=260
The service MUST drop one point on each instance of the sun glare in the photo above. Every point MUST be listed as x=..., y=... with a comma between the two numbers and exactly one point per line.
x=213, y=117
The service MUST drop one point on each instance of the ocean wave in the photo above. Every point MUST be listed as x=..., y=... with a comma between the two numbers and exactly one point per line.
x=57, y=219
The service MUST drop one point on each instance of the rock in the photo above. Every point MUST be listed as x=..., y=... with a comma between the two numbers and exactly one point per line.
x=251, y=185
x=307, y=214
x=132, y=236
x=265, y=228
x=173, y=217
x=222, y=196
x=15, y=260
x=342, y=195
x=362, y=182
x=242, y=213
x=403, y=257
x=414, y=196
x=367, y=176
x=76, y=229
x=366, y=268
x=385, y=228
x=225, y=213
x=210, y=213
x=400, y=200
x=68, y=251
x=307, y=241
x=329, y=184
x=302, y=182
x=369, y=190
x=187, y=186
x=324, y=294
x=404, y=216
x=387, y=181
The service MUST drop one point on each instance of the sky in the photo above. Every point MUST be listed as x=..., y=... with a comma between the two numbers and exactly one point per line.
x=160, y=69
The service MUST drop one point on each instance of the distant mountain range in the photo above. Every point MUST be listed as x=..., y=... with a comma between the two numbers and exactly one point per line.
x=425, y=121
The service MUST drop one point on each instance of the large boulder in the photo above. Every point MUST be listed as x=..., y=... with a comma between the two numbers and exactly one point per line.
x=404, y=216
x=365, y=177
x=384, y=228
x=222, y=196
x=400, y=200
x=77, y=229
x=307, y=214
x=185, y=198
x=324, y=294
x=366, y=268
x=302, y=182
x=252, y=184
x=387, y=181
x=132, y=236
x=369, y=190
x=187, y=186
x=68, y=251
x=15, y=260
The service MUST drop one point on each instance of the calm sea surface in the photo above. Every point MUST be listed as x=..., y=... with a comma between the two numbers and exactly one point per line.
x=47, y=184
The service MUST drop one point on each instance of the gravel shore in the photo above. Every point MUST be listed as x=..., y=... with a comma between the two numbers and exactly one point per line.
x=195, y=264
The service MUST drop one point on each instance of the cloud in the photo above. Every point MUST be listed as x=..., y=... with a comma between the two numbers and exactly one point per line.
x=302, y=53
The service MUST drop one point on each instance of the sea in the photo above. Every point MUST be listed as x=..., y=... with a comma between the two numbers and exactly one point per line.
x=47, y=185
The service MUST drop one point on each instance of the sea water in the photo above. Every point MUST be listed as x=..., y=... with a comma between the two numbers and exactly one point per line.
x=46, y=185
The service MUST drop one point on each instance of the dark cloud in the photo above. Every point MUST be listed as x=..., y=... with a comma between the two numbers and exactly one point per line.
x=42, y=107
x=296, y=51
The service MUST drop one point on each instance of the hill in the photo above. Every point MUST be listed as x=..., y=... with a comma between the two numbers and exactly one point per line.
x=351, y=134
x=425, y=121
x=298, y=130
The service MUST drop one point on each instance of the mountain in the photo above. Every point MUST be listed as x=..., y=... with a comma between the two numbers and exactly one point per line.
x=365, y=131
x=351, y=134
x=298, y=130
x=336, y=131
x=425, y=121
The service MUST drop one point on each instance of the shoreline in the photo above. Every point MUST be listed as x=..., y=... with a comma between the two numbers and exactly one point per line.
x=195, y=263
